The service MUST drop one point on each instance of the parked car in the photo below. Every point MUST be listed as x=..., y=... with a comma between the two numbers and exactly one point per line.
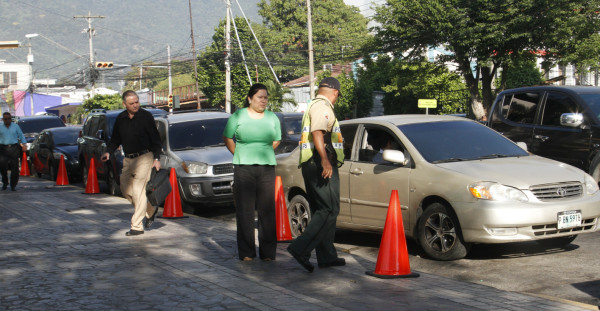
x=291, y=130
x=556, y=122
x=95, y=134
x=33, y=125
x=49, y=146
x=459, y=183
x=192, y=143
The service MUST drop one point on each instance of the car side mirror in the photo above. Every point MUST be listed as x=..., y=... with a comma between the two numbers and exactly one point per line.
x=523, y=145
x=571, y=119
x=394, y=156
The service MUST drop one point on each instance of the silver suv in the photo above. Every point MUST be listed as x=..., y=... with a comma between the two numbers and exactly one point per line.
x=192, y=143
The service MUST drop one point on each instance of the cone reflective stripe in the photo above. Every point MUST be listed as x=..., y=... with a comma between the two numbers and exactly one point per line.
x=172, y=208
x=91, y=186
x=284, y=233
x=24, y=166
x=62, y=178
x=392, y=260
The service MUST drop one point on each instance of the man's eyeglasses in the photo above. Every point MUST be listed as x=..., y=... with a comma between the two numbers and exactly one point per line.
x=9, y=118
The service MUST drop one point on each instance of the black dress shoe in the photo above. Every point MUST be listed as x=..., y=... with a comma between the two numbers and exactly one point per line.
x=150, y=220
x=134, y=232
x=301, y=260
x=338, y=262
x=4, y=187
x=13, y=189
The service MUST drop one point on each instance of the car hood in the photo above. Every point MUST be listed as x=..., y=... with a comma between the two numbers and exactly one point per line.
x=71, y=150
x=519, y=172
x=210, y=155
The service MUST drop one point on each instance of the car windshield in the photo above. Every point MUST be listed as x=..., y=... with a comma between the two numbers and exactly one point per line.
x=38, y=125
x=196, y=134
x=593, y=101
x=63, y=138
x=453, y=141
x=293, y=125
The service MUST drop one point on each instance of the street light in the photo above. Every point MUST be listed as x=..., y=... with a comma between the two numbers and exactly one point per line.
x=30, y=61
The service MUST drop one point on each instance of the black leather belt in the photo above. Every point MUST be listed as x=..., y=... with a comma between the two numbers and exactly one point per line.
x=137, y=154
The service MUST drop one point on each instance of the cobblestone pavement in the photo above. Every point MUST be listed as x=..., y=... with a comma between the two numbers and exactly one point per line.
x=61, y=249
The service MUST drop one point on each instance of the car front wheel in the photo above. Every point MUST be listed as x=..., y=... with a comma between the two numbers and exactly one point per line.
x=299, y=213
x=439, y=234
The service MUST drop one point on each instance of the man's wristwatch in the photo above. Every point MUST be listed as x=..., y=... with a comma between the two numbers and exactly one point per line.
x=157, y=160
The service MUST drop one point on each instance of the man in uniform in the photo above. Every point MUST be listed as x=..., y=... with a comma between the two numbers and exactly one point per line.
x=136, y=132
x=12, y=142
x=321, y=153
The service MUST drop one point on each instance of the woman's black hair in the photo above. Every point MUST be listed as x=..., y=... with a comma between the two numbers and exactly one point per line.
x=253, y=90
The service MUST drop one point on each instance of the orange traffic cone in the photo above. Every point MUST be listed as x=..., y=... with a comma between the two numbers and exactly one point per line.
x=282, y=220
x=24, y=166
x=91, y=186
x=172, y=208
x=62, y=178
x=392, y=260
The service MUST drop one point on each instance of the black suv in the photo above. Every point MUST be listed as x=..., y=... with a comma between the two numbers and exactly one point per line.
x=556, y=122
x=92, y=142
x=291, y=130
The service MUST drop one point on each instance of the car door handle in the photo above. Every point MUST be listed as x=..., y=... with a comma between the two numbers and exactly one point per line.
x=540, y=137
x=356, y=171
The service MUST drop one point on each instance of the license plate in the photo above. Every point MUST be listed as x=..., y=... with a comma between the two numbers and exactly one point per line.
x=569, y=219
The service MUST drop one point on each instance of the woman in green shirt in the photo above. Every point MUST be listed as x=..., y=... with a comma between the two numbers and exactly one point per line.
x=257, y=133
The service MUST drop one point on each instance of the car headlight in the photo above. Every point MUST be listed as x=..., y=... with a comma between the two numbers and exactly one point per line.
x=496, y=192
x=57, y=155
x=195, y=167
x=591, y=186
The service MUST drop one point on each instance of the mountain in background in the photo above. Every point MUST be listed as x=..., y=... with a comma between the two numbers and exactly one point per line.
x=131, y=32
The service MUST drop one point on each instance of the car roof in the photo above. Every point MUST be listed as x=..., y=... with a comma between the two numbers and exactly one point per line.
x=402, y=119
x=43, y=116
x=195, y=115
x=64, y=129
x=576, y=89
x=114, y=113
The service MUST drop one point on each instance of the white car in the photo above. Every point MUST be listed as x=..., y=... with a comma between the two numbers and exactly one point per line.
x=459, y=182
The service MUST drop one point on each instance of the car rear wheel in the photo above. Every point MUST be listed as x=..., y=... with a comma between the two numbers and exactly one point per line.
x=299, y=213
x=439, y=234
x=557, y=242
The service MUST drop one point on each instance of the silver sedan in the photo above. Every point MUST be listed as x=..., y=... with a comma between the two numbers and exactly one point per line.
x=458, y=181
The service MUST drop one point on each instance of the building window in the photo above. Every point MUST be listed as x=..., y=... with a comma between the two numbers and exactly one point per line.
x=8, y=78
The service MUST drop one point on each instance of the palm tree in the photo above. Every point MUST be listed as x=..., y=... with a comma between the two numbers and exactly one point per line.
x=277, y=95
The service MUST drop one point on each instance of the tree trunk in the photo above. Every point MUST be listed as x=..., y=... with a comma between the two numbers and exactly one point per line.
x=473, y=85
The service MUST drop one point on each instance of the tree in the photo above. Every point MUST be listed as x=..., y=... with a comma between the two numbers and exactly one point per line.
x=107, y=102
x=411, y=80
x=483, y=34
x=278, y=96
x=520, y=71
x=339, y=31
x=345, y=103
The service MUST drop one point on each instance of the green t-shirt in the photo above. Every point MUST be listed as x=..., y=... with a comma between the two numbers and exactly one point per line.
x=254, y=137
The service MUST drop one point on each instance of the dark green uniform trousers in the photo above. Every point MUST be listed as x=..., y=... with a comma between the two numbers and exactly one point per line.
x=324, y=199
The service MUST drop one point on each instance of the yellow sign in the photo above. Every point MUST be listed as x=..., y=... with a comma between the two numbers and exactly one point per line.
x=427, y=103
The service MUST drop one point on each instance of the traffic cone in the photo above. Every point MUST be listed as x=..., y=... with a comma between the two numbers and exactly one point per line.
x=91, y=186
x=284, y=233
x=172, y=208
x=62, y=178
x=24, y=166
x=392, y=260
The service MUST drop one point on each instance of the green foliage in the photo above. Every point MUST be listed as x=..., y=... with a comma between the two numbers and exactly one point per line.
x=520, y=71
x=345, y=103
x=107, y=102
x=486, y=31
x=372, y=76
x=414, y=80
x=336, y=27
x=277, y=96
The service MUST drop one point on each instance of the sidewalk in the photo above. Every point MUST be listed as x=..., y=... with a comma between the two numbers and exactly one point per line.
x=61, y=249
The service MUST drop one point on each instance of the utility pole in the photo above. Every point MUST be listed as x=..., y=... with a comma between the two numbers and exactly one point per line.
x=195, y=58
x=90, y=32
x=170, y=81
x=311, y=65
x=228, y=60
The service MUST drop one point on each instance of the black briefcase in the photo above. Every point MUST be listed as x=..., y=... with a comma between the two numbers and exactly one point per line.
x=158, y=187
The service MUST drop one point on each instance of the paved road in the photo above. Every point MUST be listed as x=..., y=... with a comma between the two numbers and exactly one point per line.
x=64, y=250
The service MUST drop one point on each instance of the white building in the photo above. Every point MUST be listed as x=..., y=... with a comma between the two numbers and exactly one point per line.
x=14, y=77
